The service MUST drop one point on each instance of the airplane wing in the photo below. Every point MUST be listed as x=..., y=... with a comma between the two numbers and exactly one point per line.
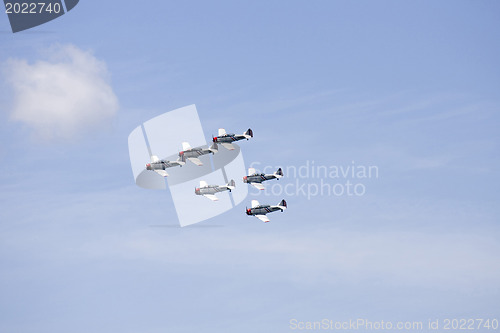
x=211, y=197
x=263, y=218
x=222, y=131
x=227, y=145
x=186, y=146
x=195, y=161
x=257, y=186
x=255, y=203
x=251, y=171
x=203, y=183
x=162, y=173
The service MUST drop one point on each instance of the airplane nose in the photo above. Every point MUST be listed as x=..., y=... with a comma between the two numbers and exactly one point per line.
x=148, y=166
x=248, y=211
x=214, y=139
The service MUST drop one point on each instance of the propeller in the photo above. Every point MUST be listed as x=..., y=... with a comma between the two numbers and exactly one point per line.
x=179, y=154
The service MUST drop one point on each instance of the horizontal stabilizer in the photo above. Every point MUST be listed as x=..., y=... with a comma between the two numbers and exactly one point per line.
x=231, y=185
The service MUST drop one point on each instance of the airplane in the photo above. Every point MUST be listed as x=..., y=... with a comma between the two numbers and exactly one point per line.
x=225, y=139
x=256, y=179
x=208, y=191
x=192, y=154
x=260, y=211
x=159, y=166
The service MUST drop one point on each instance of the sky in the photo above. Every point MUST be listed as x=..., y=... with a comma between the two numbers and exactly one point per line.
x=409, y=88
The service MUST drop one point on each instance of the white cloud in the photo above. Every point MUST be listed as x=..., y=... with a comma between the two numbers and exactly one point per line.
x=63, y=96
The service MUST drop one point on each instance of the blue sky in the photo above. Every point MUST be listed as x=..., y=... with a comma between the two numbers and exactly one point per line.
x=411, y=88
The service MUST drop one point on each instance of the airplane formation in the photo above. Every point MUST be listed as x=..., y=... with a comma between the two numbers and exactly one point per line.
x=208, y=191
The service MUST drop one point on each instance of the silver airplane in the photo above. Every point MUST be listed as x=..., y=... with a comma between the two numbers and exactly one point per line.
x=208, y=191
x=225, y=139
x=159, y=166
x=192, y=154
x=255, y=179
x=260, y=211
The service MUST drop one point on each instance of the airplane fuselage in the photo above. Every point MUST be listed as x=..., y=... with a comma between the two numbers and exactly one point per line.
x=210, y=189
x=195, y=152
x=228, y=138
x=162, y=165
x=262, y=210
x=257, y=178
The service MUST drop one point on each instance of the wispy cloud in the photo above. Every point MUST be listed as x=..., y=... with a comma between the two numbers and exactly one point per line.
x=62, y=96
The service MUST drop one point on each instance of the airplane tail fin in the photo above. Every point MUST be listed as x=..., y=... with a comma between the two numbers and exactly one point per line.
x=154, y=159
x=231, y=185
x=278, y=173
x=249, y=133
x=282, y=204
x=214, y=148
